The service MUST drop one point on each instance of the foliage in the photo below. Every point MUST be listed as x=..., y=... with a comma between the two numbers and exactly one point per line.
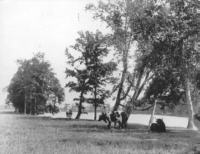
x=159, y=35
x=95, y=73
x=170, y=36
x=115, y=15
x=33, y=84
x=165, y=88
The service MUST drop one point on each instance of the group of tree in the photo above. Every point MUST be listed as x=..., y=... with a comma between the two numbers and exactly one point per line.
x=34, y=88
x=163, y=36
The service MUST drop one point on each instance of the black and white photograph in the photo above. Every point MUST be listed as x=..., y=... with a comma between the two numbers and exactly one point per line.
x=99, y=76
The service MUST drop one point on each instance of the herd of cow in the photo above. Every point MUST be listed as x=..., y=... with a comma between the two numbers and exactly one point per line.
x=122, y=118
x=116, y=117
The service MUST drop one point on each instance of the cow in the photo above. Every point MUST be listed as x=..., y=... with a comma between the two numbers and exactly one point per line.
x=158, y=127
x=124, y=116
x=197, y=116
x=69, y=114
x=116, y=117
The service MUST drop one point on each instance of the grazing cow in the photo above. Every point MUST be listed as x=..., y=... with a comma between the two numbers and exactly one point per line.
x=116, y=117
x=158, y=127
x=69, y=114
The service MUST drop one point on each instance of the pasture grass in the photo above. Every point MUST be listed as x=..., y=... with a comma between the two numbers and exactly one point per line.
x=25, y=134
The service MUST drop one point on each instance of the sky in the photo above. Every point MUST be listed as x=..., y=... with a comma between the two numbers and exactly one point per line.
x=48, y=26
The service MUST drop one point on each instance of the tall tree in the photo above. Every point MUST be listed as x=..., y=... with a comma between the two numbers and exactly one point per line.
x=115, y=15
x=80, y=85
x=32, y=85
x=92, y=48
x=99, y=72
x=173, y=37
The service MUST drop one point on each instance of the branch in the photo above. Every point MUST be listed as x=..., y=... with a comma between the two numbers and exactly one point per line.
x=150, y=77
x=114, y=89
x=122, y=105
x=138, y=84
x=130, y=82
x=127, y=91
x=142, y=86
x=145, y=108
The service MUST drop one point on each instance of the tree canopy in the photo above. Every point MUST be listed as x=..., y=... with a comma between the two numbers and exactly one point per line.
x=171, y=34
x=166, y=34
x=95, y=73
x=33, y=85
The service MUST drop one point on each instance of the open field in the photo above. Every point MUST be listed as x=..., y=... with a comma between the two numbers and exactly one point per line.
x=24, y=134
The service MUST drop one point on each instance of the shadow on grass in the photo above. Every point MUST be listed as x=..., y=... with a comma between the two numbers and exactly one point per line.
x=139, y=141
x=32, y=117
x=136, y=136
x=71, y=119
x=92, y=126
x=89, y=132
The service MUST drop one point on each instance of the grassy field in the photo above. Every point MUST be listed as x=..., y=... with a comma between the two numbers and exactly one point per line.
x=21, y=134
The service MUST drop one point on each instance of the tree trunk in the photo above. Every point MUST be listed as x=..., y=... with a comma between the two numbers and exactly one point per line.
x=116, y=106
x=25, y=103
x=138, y=90
x=117, y=103
x=125, y=65
x=153, y=113
x=80, y=107
x=95, y=112
x=35, y=107
x=29, y=107
x=191, y=124
x=95, y=103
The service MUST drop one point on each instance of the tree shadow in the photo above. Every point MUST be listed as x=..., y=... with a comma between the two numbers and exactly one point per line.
x=92, y=126
x=142, y=140
x=66, y=119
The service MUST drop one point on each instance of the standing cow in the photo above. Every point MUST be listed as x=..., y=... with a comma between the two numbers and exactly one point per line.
x=124, y=116
x=116, y=117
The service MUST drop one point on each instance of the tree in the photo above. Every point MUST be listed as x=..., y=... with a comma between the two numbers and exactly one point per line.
x=99, y=72
x=120, y=16
x=173, y=37
x=95, y=73
x=80, y=85
x=115, y=15
x=32, y=85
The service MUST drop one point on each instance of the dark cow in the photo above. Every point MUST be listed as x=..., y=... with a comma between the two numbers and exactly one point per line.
x=197, y=116
x=124, y=116
x=158, y=127
x=69, y=114
x=116, y=117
